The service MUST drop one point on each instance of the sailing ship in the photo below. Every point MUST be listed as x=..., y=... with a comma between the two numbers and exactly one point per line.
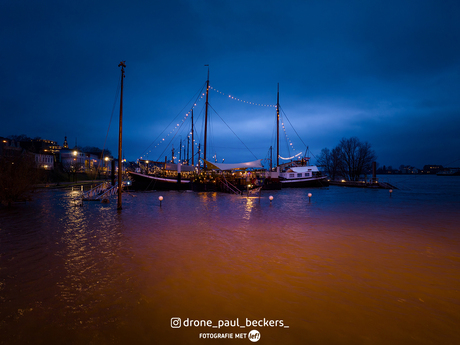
x=230, y=178
x=227, y=178
x=171, y=177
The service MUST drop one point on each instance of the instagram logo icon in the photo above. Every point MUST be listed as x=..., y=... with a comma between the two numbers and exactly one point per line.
x=175, y=322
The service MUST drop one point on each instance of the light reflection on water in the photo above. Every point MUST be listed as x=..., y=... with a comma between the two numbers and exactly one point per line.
x=351, y=266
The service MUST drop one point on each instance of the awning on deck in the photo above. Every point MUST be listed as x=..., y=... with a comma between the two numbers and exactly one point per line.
x=244, y=165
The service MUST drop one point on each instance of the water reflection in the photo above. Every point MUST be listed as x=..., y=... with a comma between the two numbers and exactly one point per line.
x=91, y=274
x=249, y=205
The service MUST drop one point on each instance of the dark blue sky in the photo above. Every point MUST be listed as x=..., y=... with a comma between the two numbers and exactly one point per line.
x=387, y=72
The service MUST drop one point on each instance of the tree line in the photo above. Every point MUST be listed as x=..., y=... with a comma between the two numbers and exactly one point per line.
x=350, y=159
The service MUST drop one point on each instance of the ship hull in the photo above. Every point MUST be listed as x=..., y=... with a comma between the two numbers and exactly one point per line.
x=305, y=182
x=149, y=182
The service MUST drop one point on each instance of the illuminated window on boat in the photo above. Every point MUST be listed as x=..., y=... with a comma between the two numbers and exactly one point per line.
x=291, y=175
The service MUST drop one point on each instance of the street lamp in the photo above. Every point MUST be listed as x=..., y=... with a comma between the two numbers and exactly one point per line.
x=106, y=166
x=75, y=153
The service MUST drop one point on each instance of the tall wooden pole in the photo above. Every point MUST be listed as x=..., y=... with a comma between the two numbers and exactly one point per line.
x=271, y=158
x=278, y=127
x=188, y=149
x=206, y=120
x=193, y=142
x=120, y=163
x=199, y=156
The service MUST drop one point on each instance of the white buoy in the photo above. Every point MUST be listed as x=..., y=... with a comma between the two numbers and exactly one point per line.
x=161, y=199
x=391, y=191
x=271, y=198
x=309, y=197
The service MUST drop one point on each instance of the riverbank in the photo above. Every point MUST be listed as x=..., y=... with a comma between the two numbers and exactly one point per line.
x=59, y=185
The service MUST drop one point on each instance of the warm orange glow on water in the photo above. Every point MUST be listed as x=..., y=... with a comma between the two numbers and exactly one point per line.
x=355, y=288
x=375, y=276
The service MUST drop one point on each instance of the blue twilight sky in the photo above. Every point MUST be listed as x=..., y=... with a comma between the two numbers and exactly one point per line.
x=387, y=72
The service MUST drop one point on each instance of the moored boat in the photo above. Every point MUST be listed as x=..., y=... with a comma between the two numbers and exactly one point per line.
x=449, y=172
x=152, y=182
x=306, y=176
x=298, y=173
x=230, y=178
x=171, y=177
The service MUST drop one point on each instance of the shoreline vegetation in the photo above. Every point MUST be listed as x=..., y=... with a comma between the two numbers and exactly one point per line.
x=19, y=178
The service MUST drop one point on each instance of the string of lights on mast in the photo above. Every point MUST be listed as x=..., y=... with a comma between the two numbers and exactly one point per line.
x=161, y=141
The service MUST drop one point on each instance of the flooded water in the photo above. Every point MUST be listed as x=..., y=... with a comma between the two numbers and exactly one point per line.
x=350, y=266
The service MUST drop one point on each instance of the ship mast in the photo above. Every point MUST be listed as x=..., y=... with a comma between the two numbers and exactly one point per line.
x=120, y=164
x=206, y=120
x=278, y=126
x=193, y=141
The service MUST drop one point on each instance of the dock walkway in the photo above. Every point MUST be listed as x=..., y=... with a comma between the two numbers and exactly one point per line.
x=363, y=184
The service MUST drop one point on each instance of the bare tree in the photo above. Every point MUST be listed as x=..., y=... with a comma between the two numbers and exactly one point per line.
x=17, y=178
x=71, y=168
x=18, y=138
x=330, y=162
x=356, y=158
x=349, y=159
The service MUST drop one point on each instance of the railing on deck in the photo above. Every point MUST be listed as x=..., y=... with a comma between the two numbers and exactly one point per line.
x=109, y=192
x=98, y=193
x=95, y=192
x=230, y=187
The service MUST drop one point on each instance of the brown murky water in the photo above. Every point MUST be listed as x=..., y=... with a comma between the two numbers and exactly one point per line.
x=354, y=266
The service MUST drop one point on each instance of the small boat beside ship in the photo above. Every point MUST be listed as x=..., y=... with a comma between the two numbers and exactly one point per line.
x=302, y=177
x=296, y=174
x=449, y=172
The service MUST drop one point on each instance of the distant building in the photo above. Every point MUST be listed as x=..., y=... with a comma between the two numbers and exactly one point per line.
x=41, y=146
x=408, y=169
x=84, y=161
x=44, y=161
x=45, y=152
x=72, y=158
x=65, y=145
x=387, y=170
x=432, y=169
x=91, y=161
x=10, y=148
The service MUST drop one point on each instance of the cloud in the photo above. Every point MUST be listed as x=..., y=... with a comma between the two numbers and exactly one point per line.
x=376, y=70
